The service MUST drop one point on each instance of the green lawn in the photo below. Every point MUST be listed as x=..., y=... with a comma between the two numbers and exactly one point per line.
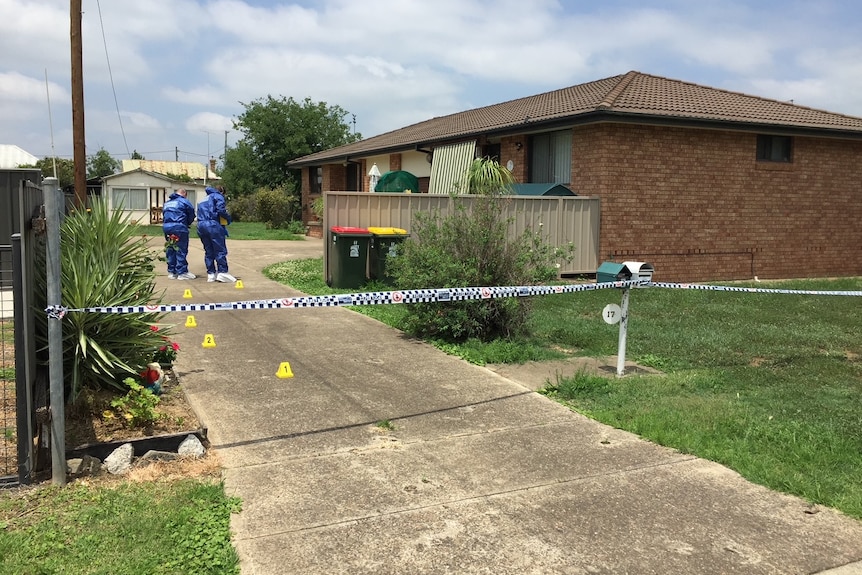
x=160, y=527
x=766, y=384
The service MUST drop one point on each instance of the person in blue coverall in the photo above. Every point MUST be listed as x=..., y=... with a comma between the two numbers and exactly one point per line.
x=178, y=214
x=212, y=229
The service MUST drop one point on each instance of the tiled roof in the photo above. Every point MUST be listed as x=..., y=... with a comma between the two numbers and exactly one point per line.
x=633, y=95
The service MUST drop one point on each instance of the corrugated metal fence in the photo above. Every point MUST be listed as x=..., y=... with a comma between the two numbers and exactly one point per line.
x=561, y=220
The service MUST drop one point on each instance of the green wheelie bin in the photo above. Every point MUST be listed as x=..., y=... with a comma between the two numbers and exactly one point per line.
x=384, y=245
x=348, y=256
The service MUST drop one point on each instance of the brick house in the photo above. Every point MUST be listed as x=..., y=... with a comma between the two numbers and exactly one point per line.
x=706, y=184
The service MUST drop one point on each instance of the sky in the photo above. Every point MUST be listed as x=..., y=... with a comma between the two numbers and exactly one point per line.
x=167, y=78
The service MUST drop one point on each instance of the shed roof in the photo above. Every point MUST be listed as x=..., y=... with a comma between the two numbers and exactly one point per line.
x=194, y=170
x=630, y=97
x=12, y=156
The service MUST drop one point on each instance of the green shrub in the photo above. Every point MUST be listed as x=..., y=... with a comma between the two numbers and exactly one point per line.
x=276, y=208
x=472, y=247
x=243, y=208
x=104, y=262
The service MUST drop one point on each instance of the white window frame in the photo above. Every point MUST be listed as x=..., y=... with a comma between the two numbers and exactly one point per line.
x=130, y=199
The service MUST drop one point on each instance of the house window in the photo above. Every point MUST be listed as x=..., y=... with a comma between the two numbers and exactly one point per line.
x=551, y=158
x=774, y=148
x=129, y=198
x=315, y=177
x=491, y=151
x=191, y=196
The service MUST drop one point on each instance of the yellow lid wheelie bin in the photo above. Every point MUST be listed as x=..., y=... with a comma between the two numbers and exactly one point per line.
x=384, y=246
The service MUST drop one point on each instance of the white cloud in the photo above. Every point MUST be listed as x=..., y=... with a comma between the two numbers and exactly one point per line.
x=182, y=66
x=208, y=122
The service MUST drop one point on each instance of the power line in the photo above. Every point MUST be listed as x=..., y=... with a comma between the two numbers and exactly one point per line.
x=111, y=76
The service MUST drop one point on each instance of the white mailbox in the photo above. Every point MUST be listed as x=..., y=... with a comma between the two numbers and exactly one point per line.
x=640, y=271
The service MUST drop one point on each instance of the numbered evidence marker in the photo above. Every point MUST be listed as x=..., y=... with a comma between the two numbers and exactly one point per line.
x=190, y=321
x=209, y=340
x=284, y=371
x=612, y=313
x=238, y=284
x=187, y=294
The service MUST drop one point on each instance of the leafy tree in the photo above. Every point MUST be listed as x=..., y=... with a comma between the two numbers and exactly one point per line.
x=137, y=156
x=102, y=164
x=239, y=174
x=65, y=170
x=276, y=131
x=180, y=178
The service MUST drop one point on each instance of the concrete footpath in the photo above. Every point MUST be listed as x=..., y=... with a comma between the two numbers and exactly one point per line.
x=478, y=473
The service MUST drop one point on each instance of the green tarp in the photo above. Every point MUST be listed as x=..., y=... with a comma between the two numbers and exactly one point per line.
x=397, y=181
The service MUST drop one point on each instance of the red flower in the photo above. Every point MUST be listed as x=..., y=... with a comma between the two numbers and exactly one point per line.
x=175, y=345
x=154, y=328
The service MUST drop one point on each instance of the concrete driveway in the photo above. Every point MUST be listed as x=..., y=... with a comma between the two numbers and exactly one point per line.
x=384, y=455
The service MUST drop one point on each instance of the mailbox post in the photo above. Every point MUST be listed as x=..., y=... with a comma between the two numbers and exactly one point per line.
x=610, y=272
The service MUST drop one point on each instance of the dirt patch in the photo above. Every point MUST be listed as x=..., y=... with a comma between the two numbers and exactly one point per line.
x=536, y=374
x=86, y=422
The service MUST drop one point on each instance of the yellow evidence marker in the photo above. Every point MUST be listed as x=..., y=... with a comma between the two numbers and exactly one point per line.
x=190, y=321
x=284, y=371
x=239, y=284
x=209, y=340
x=187, y=294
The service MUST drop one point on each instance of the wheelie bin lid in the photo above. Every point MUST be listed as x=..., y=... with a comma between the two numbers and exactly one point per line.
x=387, y=231
x=347, y=230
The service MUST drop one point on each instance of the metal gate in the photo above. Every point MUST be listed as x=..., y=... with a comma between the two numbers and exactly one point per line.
x=20, y=207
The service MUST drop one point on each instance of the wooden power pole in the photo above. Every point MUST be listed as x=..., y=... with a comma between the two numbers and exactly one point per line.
x=78, y=146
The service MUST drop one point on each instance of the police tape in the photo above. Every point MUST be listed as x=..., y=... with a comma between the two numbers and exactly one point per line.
x=738, y=289
x=358, y=298
x=421, y=296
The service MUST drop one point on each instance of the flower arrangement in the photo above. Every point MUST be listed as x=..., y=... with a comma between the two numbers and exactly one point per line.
x=171, y=242
x=167, y=352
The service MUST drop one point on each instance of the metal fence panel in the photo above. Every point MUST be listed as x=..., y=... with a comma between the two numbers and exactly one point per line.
x=560, y=220
x=18, y=369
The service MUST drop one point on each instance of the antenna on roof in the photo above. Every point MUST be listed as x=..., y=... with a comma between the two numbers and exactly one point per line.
x=50, y=123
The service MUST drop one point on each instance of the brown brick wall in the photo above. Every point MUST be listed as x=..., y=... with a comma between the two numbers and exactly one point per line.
x=515, y=149
x=697, y=204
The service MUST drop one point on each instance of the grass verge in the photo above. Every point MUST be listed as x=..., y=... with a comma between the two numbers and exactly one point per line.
x=766, y=384
x=160, y=527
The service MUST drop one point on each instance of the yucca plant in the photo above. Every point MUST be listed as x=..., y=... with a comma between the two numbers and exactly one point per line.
x=104, y=262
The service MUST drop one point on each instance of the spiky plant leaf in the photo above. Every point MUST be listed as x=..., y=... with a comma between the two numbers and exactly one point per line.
x=104, y=263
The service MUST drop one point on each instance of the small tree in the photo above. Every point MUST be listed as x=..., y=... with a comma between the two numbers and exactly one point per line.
x=102, y=164
x=472, y=247
x=65, y=173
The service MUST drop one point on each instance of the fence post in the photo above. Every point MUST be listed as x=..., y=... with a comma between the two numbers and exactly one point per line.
x=55, y=333
x=624, y=327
